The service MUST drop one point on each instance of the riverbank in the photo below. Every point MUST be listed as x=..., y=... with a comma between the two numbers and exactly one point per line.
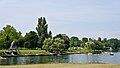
x=64, y=66
x=23, y=53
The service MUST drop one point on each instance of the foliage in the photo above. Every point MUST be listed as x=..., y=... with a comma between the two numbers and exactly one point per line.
x=90, y=45
x=114, y=44
x=84, y=40
x=55, y=45
x=99, y=39
x=74, y=42
x=7, y=35
x=41, y=28
x=65, y=38
x=31, y=39
x=60, y=43
x=47, y=44
x=21, y=42
x=50, y=34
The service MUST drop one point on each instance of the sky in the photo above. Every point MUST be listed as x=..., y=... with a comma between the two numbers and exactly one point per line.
x=81, y=18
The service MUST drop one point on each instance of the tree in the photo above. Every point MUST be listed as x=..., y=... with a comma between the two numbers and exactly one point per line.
x=98, y=45
x=50, y=34
x=58, y=45
x=90, y=39
x=74, y=41
x=90, y=45
x=47, y=44
x=31, y=40
x=55, y=45
x=21, y=42
x=65, y=38
x=7, y=35
x=104, y=40
x=42, y=31
x=84, y=39
x=99, y=39
x=114, y=43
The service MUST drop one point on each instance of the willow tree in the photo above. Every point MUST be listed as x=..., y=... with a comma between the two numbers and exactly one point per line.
x=41, y=28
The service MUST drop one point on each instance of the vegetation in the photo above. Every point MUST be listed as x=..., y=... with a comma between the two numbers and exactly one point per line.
x=43, y=40
x=23, y=52
x=31, y=40
x=7, y=35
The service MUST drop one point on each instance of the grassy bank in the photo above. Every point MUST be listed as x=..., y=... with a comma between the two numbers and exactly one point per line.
x=64, y=66
x=23, y=52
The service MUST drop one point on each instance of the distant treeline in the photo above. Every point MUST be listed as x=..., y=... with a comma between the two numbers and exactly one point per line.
x=43, y=39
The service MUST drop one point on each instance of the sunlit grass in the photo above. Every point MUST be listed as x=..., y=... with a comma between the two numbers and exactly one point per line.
x=23, y=52
x=64, y=66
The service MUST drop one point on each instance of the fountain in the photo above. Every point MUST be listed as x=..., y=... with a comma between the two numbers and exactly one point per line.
x=13, y=50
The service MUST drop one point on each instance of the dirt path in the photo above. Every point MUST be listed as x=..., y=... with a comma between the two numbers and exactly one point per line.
x=64, y=66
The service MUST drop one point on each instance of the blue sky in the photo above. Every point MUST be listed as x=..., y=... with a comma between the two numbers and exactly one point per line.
x=82, y=18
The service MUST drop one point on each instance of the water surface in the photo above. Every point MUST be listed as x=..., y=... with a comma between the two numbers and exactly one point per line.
x=73, y=58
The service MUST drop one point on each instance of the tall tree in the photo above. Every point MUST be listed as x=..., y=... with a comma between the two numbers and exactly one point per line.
x=41, y=28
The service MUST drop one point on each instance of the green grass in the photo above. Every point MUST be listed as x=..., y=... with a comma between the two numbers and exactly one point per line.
x=23, y=52
x=2, y=52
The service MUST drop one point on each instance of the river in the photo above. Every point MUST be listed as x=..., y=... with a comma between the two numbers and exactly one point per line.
x=72, y=58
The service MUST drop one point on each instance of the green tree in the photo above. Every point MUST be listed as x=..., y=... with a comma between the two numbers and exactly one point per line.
x=47, y=44
x=114, y=43
x=65, y=38
x=21, y=42
x=74, y=41
x=41, y=28
x=99, y=39
x=31, y=40
x=58, y=45
x=90, y=45
x=7, y=35
x=50, y=34
x=98, y=45
x=84, y=40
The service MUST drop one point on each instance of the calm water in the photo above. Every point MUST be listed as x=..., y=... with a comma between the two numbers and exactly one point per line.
x=73, y=58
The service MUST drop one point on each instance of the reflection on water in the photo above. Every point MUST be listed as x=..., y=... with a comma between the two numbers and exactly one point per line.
x=73, y=58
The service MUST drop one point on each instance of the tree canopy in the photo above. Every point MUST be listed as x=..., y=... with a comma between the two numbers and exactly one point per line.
x=7, y=35
x=61, y=42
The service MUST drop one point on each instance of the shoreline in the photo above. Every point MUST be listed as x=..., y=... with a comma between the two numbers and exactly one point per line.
x=52, y=54
x=49, y=54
